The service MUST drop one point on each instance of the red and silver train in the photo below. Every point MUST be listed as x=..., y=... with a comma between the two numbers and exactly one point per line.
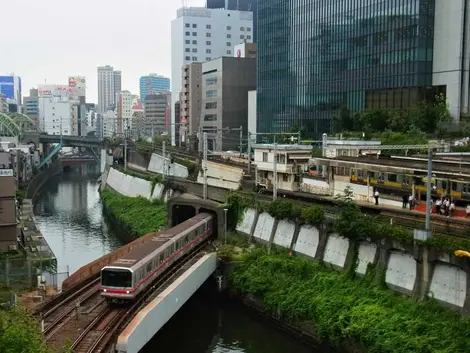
x=123, y=280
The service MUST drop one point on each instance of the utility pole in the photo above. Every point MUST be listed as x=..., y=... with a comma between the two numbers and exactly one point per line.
x=249, y=153
x=125, y=150
x=164, y=158
x=241, y=141
x=153, y=135
x=275, y=170
x=204, y=165
x=428, y=195
x=200, y=140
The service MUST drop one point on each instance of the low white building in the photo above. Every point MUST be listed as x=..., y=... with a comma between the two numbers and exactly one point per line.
x=292, y=162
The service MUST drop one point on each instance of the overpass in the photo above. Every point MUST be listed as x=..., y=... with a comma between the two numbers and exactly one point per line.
x=71, y=141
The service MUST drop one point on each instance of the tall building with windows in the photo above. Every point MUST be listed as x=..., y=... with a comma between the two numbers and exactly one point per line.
x=314, y=58
x=109, y=83
x=241, y=5
x=199, y=34
x=151, y=84
x=10, y=87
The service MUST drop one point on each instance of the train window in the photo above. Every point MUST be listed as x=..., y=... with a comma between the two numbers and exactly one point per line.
x=149, y=267
x=392, y=178
x=454, y=186
x=162, y=257
x=116, y=278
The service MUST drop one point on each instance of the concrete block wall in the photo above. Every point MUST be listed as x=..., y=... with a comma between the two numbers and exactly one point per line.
x=156, y=166
x=412, y=269
x=222, y=176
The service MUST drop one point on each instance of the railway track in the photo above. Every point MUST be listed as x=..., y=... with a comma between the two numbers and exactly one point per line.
x=108, y=322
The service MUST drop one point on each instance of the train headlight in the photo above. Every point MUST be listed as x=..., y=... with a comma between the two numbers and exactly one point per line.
x=104, y=290
x=127, y=292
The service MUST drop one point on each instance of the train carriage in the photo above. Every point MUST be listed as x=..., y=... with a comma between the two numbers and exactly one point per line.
x=127, y=277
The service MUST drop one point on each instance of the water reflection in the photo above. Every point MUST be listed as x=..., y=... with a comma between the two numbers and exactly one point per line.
x=69, y=215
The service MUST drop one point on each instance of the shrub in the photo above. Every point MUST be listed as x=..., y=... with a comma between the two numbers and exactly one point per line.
x=344, y=308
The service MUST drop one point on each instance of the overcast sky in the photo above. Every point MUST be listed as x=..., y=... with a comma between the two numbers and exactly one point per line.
x=53, y=39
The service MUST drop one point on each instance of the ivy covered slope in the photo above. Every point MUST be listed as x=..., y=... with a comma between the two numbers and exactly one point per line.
x=344, y=308
x=139, y=214
x=19, y=333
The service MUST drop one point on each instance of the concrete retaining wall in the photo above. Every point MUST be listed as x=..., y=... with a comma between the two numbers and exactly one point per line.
x=131, y=186
x=413, y=270
x=41, y=178
x=174, y=169
x=222, y=175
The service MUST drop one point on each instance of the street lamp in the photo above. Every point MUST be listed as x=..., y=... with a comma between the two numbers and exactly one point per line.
x=225, y=225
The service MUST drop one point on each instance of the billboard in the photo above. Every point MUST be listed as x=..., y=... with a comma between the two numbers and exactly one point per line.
x=7, y=86
x=77, y=84
x=53, y=91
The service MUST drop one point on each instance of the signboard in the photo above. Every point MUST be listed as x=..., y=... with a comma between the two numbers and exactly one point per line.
x=6, y=172
x=53, y=90
x=77, y=85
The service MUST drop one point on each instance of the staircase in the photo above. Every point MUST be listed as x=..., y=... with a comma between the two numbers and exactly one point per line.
x=56, y=149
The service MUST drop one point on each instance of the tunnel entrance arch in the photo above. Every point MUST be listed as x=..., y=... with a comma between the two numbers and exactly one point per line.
x=186, y=206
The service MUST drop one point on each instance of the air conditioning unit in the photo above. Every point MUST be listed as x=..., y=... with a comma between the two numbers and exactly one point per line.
x=13, y=247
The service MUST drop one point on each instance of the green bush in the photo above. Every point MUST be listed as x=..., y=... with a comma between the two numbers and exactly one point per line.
x=313, y=215
x=139, y=214
x=344, y=308
x=19, y=333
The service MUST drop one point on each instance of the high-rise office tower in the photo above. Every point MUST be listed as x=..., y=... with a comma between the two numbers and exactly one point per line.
x=315, y=58
x=151, y=84
x=109, y=83
x=199, y=34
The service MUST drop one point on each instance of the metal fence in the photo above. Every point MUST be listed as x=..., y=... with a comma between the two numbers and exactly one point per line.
x=24, y=273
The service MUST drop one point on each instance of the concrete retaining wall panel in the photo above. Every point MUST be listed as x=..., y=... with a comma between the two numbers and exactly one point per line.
x=247, y=221
x=366, y=256
x=219, y=183
x=136, y=167
x=401, y=272
x=308, y=241
x=336, y=250
x=157, y=192
x=264, y=227
x=156, y=166
x=224, y=172
x=449, y=285
x=157, y=313
x=128, y=185
x=284, y=233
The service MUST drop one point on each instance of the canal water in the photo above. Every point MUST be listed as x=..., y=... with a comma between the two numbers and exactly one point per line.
x=69, y=215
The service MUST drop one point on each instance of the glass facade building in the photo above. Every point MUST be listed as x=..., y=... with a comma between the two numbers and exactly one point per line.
x=315, y=56
x=151, y=84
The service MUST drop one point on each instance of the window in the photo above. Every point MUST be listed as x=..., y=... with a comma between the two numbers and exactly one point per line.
x=187, y=58
x=208, y=42
x=265, y=156
x=187, y=33
x=187, y=41
x=248, y=37
x=242, y=36
x=210, y=117
x=208, y=51
x=116, y=278
x=211, y=93
x=211, y=80
x=229, y=28
x=194, y=41
x=194, y=58
x=208, y=58
x=242, y=29
x=211, y=105
x=208, y=26
x=187, y=50
x=194, y=34
x=229, y=35
x=194, y=25
x=194, y=50
x=186, y=25
x=285, y=177
x=229, y=44
x=229, y=52
x=208, y=34
x=248, y=29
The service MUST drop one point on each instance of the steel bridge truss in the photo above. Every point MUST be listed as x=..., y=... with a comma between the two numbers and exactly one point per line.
x=15, y=124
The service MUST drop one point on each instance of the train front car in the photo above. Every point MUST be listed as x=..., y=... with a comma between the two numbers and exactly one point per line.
x=117, y=284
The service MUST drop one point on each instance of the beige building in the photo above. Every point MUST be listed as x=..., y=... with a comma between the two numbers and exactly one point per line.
x=292, y=162
x=156, y=110
x=190, y=98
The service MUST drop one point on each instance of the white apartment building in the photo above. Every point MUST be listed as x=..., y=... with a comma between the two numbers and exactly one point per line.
x=109, y=83
x=124, y=110
x=199, y=34
x=58, y=116
x=292, y=162
x=109, y=123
